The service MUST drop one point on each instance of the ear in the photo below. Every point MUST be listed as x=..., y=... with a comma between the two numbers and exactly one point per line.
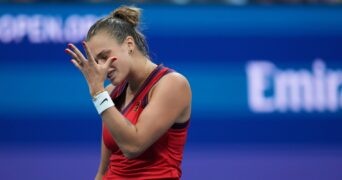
x=129, y=41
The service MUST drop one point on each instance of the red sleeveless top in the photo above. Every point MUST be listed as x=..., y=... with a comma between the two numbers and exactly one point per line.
x=162, y=160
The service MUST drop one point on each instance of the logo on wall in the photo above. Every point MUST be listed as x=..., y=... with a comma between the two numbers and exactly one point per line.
x=271, y=89
x=40, y=28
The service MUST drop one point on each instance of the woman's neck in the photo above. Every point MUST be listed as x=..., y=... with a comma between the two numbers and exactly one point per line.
x=139, y=74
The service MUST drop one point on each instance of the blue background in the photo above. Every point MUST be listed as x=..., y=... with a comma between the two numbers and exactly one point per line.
x=48, y=121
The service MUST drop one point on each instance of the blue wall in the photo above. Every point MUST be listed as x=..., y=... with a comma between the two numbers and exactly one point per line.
x=266, y=81
x=45, y=99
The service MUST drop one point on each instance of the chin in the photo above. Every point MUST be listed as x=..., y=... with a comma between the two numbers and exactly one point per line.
x=115, y=81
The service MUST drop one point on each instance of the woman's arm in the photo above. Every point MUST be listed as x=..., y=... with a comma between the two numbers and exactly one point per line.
x=105, y=155
x=169, y=100
x=105, y=152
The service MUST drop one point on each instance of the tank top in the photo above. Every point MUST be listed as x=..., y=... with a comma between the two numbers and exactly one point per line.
x=162, y=160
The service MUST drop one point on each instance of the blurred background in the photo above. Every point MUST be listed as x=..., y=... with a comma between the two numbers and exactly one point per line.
x=266, y=77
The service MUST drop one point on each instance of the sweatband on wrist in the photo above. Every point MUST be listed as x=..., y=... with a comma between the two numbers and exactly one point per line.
x=102, y=101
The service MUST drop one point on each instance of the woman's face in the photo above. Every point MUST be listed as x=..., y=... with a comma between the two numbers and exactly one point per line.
x=103, y=47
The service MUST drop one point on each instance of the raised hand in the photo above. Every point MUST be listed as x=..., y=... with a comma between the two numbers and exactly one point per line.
x=94, y=73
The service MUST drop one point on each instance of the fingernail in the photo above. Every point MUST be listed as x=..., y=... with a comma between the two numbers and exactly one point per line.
x=69, y=45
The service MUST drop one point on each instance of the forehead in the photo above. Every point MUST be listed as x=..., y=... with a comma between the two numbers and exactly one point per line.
x=101, y=41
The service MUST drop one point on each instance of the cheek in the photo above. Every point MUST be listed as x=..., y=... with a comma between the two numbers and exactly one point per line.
x=122, y=65
x=120, y=77
x=121, y=69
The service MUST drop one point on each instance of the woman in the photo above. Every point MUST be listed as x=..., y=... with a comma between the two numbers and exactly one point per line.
x=145, y=110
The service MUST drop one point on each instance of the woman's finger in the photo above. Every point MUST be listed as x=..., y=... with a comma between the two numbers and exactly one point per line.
x=88, y=53
x=77, y=52
x=73, y=55
x=109, y=61
x=76, y=64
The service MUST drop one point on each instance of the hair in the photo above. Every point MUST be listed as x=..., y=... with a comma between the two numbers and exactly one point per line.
x=120, y=23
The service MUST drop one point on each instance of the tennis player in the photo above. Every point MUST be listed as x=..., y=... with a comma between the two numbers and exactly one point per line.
x=145, y=110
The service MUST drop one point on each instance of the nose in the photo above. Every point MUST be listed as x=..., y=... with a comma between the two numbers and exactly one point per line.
x=113, y=58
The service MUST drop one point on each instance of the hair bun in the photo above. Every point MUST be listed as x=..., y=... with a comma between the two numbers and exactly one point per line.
x=129, y=14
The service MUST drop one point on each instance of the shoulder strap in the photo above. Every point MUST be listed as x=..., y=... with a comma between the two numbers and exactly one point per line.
x=118, y=90
x=149, y=83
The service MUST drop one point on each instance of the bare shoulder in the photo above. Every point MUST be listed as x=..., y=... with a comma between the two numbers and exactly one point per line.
x=174, y=89
x=174, y=82
x=176, y=77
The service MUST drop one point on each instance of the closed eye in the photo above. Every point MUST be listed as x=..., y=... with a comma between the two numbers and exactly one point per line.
x=102, y=56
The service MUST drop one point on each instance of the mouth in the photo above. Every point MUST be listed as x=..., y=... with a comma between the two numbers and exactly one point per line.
x=110, y=74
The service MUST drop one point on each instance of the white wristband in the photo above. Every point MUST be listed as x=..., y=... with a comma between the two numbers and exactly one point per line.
x=102, y=102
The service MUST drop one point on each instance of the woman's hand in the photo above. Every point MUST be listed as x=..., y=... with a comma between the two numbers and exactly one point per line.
x=94, y=73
